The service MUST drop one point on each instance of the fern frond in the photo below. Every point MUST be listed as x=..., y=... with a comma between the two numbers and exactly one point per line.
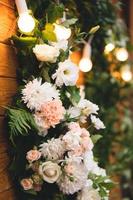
x=20, y=122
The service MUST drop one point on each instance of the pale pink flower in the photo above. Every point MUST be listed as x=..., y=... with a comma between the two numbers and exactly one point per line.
x=69, y=168
x=33, y=155
x=78, y=151
x=74, y=126
x=51, y=113
x=87, y=143
x=27, y=183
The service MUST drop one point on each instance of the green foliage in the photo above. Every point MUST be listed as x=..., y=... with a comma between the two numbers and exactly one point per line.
x=55, y=12
x=48, y=33
x=21, y=121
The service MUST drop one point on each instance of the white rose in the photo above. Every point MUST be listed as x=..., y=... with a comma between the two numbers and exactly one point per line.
x=62, y=33
x=50, y=171
x=46, y=53
x=67, y=74
x=62, y=44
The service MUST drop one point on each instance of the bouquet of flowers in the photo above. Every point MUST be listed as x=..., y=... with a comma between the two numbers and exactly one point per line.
x=51, y=121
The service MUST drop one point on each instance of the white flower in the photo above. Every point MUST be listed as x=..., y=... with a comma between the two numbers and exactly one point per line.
x=71, y=140
x=75, y=182
x=62, y=44
x=67, y=74
x=35, y=93
x=98, y=124
x=46, y=53
x=50, y=171
x=53, y=149
x=88, y=194
x=88, y=107
x=74, y=112
x=62, y=33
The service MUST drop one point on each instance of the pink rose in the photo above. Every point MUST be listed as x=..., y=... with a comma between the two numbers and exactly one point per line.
x=33, y=155
x=27, y=183
x=69, y=169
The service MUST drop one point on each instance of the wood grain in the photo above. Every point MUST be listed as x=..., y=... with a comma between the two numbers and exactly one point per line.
x=8, y=61
x=7, y=23
x=8, y=3
x=8, y=89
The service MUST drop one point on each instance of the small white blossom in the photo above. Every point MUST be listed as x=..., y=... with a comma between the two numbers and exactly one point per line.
x=62, y=44
x=67, y=74
x=98, y=124
x=46, y=53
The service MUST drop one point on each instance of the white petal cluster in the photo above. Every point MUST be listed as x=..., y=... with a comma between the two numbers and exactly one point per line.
x=70, y=185
x=88, y=194
x=98, y=124
x=46, y=53
x=67, y=73
x=61, y=45
x=53, y=149
x=35, y=93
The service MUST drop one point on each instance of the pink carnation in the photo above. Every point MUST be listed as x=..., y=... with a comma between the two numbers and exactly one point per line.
x=51, y=113
x=33, y=155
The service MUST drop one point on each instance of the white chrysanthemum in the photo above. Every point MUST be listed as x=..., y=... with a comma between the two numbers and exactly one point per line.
x=67, y=73
x=35, y=93
x=98, y=124
x=88, y=194
x=62, y=44
x=46, y=53
x=53, y=149
x=70, y=185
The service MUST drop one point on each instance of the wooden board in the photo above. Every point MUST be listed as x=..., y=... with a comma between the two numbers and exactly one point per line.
x=7, y=23
x=7, y=90
x=8, y=194
x=8, y=3
x=8, y=61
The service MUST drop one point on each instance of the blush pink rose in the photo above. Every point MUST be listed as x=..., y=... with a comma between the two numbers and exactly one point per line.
x=69, y=169
x=27, y=183
x=33, y=155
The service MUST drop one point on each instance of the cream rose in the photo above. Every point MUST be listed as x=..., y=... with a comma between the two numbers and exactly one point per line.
x=46, y=53
x=50, y=171
x=33, y=155
x=27, y=183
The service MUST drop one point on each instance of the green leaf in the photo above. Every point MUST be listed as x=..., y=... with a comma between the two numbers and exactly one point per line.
x=73, y=91
x=20, y=122
x=94, y=29
x=95, y=138
x=24, y=41
x=69, y=22
x=55, y=12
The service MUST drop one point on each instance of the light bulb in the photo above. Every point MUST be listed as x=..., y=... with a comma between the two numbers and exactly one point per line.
x=121, y=54
x=61, y=32
x=85, y=64
x=26, y=23
x=126, y=73
x=108, y=48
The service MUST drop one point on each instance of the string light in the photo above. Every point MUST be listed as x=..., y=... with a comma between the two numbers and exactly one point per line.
x=121, y=54
x=108, y=48
x=126, y=73
x=61, y=32
x=85, y=64
x=26, y=22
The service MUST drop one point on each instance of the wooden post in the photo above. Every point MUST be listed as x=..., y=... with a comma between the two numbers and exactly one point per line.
x=8, y=87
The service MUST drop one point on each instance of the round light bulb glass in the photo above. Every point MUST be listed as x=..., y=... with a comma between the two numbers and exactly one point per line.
x=26, y=23
x=85, y=65
x=108, y=48
x=126, y=73
x=121, y=54
x=61, y=32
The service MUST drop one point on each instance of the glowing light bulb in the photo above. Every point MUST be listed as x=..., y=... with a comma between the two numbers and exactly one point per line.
x=26, y=23
x=108, y=48
x=126, y=73
x=121, y=54
x=61, y=32
x=85, y=64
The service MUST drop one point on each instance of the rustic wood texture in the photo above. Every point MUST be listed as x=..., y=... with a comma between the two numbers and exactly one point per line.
x=8, y=86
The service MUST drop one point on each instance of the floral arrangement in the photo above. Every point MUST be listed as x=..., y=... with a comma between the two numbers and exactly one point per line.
x=50, y=123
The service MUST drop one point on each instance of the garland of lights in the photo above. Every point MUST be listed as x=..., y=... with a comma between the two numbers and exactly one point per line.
x=53, y=151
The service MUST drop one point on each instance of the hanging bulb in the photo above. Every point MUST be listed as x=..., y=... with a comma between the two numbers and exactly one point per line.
x=126, y=73
x=85, y=64
x=26, y=23
x=121, y=54
x=108, y=48
x=61, y=32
